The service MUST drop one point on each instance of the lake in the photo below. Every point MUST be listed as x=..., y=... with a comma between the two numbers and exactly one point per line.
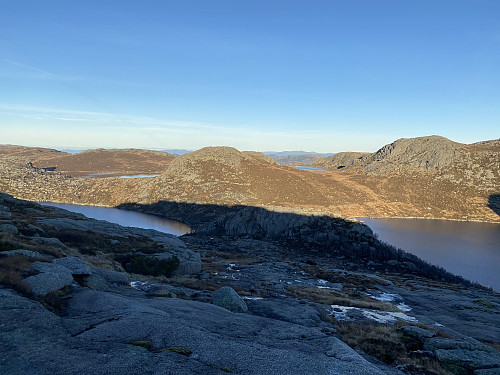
x=126, y=218
x=468, y=249
x=310, y=168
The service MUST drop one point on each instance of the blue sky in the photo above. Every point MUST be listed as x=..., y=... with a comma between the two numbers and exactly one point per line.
x=322, y=76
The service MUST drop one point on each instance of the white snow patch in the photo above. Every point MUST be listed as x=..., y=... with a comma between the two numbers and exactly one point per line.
x=387, y=316
x=137, y=284
x=388, y=297
x=403, y=307
x=341, y=313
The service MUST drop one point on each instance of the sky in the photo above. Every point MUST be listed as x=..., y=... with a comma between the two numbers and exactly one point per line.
x=325, y=76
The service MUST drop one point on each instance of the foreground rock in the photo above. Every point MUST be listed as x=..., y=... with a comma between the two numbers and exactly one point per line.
x=99, y=330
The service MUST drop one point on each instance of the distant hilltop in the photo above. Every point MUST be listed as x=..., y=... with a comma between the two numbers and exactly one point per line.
x=428, y=177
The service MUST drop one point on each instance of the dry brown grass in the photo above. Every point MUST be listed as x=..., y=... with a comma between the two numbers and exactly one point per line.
x=494, y=345
x=332, y=297
x=387, y=343
x=11, y=272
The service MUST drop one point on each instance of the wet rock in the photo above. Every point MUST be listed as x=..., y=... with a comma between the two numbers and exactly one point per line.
x=227, y=298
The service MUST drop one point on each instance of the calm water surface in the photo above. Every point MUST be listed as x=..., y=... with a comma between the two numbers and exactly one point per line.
x=310, y=168
x=468, y=249
x=126, y=218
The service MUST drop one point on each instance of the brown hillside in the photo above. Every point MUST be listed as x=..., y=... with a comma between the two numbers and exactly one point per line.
x=116, y=161
x=222, y=175
x=29, y=152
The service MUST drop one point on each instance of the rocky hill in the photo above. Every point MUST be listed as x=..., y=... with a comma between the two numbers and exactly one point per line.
x=475, y=165
x=304, y=159
x=339, y=160
x=453, y=182
x=105, y=161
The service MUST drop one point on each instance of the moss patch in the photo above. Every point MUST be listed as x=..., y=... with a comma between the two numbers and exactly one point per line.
x=142, y=343
x=176, y=349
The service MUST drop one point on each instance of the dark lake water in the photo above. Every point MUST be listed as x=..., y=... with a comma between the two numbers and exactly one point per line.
x=468, y=249
x=126, y=218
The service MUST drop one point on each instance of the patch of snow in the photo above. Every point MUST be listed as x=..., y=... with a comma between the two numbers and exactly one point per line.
x=252, y=298
x=341, y=313
x=387, y=316
x=388, y=297
x=322, y=282
x=137, y=284
x=404, y=307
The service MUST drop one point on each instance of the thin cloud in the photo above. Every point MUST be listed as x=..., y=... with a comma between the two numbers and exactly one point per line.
x=30, y=71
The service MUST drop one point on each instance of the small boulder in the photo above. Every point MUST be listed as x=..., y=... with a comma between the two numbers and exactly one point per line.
x=74, y=264
x=227, y=298
x=5, y=211
x=49, y=241
x=420, y=334
x=8, y=228
x=52, y=277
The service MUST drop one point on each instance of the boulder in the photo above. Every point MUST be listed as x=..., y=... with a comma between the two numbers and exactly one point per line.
x=285, y=310
x=52, y=277
x=110, y=277
x=74, y=264
x=8, y=228
x=420, y=334
x=49, y=241
x=5, y=211
x=468, y=359
x=227, y=298
x=190, y=262
x=463, y=355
